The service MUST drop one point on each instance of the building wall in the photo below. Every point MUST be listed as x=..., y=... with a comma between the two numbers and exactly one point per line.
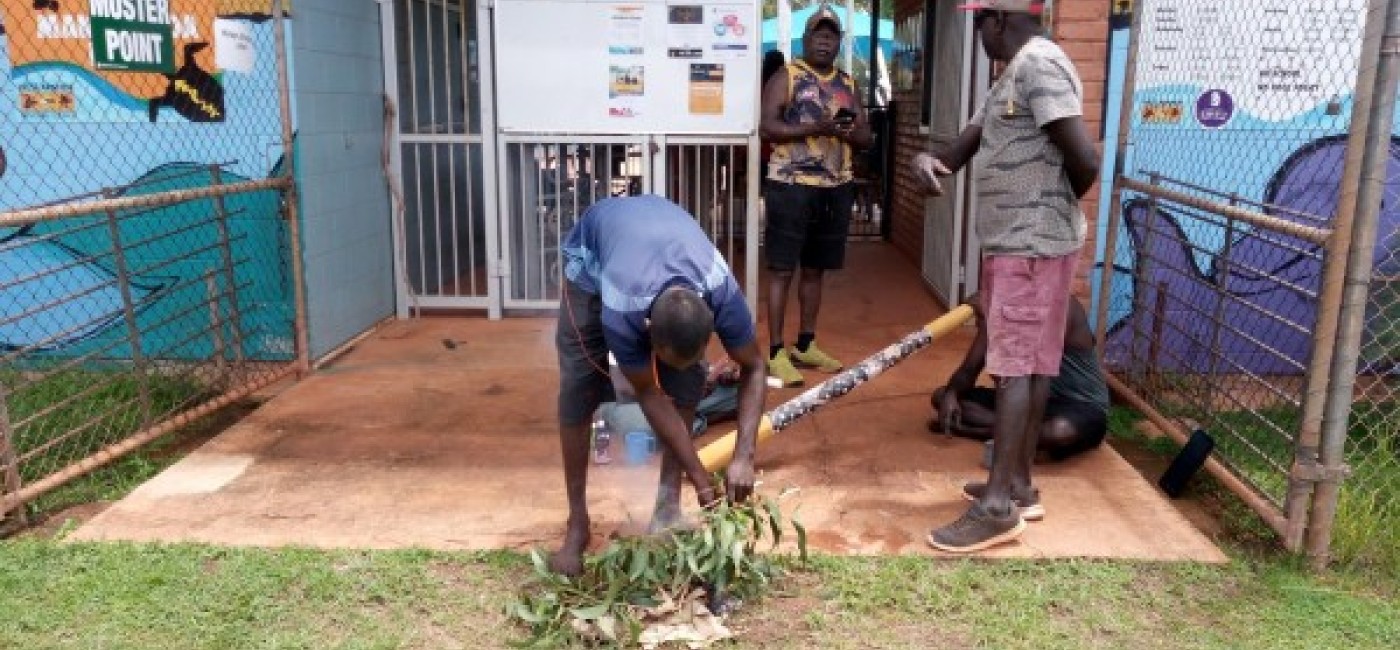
x=907, y=229
x=1081, y=28
x=907, y=215
x=339, y=86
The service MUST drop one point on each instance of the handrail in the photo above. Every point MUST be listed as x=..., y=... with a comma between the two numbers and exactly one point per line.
x=1318, y=236
x=25, y=217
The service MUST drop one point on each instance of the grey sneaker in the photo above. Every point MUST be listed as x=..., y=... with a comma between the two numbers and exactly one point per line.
x=976, y=530
x=1030, y=506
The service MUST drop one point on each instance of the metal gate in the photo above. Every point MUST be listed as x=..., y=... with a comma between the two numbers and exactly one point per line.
x=717, y=180
x=961, y=73
x=438, y=122
x=479, y=215
x=548, y=181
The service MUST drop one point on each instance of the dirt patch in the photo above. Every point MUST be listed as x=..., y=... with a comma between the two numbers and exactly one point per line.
x=179, y=444
x=50, y=526
x=1200, y=507
x=163, y=452
x=801, y=615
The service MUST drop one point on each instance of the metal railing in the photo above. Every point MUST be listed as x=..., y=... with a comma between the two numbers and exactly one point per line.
x=710, y=180
x=1269, y=323
x=1221, y=346
x=131, y=327
x=550, y=181
x=131, y=308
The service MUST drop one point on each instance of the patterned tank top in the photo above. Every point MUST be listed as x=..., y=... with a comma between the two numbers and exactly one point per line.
x=819, y=161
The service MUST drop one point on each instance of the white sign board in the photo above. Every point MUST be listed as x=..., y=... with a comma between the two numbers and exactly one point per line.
x=234, y=48
x=651, y=66
x=1276, y=59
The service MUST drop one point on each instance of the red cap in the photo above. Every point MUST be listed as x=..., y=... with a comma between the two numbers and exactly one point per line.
x=1033, y=7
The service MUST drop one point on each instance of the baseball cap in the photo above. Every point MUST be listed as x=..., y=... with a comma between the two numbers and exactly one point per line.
x=823, y=14
x=1033, y=7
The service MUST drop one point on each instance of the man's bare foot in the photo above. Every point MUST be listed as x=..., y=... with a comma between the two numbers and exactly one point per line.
x=664, y=518
x=568, y=560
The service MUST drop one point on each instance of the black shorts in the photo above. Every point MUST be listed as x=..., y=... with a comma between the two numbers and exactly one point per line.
x=807, y=225
x=1086, y=418
x=583, y=362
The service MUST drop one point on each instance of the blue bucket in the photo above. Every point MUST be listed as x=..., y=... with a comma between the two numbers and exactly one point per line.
x=640, y=446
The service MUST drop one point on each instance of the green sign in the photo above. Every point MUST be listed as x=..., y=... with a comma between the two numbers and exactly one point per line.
x=133, y=35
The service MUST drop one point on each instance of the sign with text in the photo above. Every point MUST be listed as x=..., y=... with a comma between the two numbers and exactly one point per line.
x=58, y=42
x=133, y=35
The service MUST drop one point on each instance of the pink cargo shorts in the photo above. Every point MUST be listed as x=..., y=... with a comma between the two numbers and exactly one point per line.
x=1025, y=300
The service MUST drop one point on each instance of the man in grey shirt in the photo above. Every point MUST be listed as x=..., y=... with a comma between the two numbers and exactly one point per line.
x=1036, y=161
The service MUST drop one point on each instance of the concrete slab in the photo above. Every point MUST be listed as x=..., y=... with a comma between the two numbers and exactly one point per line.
x=440, y=433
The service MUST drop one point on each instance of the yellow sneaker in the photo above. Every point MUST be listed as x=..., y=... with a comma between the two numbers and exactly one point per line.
x=815, y=358
x=782, y=368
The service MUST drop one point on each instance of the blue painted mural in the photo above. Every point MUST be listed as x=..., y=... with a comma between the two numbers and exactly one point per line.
x=71, y=130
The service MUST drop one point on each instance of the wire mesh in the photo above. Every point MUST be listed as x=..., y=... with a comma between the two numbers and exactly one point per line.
x=132, y=316
x=1240, y=114
x=1243, y=107
x=1368, y=510
x=1221, y=345
x=145, y=256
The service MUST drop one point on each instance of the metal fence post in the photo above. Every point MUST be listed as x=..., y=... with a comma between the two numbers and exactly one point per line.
x=290, y=194
x=1221, y=286
x=1145, y=282
x=219, y=352
x=1304, y=473
x=235, y=313
x=1370, y=189
x=1116, y=194
x=133, y=332
x=9, y=458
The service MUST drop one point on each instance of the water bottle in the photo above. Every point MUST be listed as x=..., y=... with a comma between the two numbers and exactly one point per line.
x=602, y=439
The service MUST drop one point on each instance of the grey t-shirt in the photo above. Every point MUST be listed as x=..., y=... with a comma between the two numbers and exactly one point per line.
x=1080, y=379
x=1026, y=207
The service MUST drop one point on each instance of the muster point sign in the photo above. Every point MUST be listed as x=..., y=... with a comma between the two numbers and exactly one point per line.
x=133, y=35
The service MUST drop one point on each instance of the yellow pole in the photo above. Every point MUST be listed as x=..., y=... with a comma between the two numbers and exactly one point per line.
x=717, y=454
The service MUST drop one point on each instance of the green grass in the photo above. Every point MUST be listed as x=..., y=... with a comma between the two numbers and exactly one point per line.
x=1367, y=529
x=1248, y=442
x=1367, y=532
x=143, y=596
x=80, y=595
x=103, y=408
x=119, y=478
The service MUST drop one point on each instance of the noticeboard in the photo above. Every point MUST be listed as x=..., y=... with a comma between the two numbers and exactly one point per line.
x=645, y=67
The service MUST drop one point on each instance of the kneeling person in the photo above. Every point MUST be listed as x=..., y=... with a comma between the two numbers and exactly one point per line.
x=1076, y=413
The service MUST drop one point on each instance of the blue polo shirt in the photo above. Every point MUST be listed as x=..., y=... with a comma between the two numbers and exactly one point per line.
x=628, y=250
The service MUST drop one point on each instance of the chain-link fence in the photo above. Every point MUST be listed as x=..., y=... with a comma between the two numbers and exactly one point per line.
x=1368, y=513
x=148, y=273
x=1224, y=350
x=1251, y=132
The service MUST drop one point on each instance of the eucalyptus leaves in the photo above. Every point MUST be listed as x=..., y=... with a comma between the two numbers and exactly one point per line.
x=660, y=588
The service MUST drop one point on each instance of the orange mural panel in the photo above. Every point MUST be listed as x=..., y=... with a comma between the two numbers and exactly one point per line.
x=59, y=32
